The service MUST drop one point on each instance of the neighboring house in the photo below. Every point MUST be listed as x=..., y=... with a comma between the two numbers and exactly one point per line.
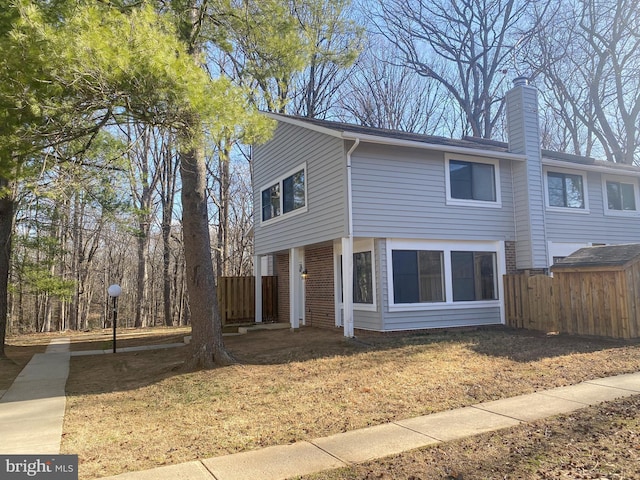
x=382, y=230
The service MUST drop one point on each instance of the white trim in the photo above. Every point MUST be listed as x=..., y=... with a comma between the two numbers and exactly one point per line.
x=359, y=246
x=447, y=246
x=347, y=285
x=605, y=196
x=472, y=203
x=589, y=168
x=296, y=287
x=476, y=152
x=585, y=190
x=301, y=123
x=345, y=135
x=279, y=181
x=257, y=265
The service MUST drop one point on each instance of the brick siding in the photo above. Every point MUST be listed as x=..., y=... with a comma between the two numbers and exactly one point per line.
x=319, y=286
x=282, y=271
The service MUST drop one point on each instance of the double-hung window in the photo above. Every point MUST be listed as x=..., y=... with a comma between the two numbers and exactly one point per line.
x=287, y=195
x=566, y=190
x=471, y=182
x=620, y=196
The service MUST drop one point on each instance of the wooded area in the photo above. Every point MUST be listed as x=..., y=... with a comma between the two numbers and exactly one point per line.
x=125, y=126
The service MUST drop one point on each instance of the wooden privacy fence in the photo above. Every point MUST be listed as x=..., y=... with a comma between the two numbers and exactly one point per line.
x=236, y=296
x=577, y=303
x=529, y=302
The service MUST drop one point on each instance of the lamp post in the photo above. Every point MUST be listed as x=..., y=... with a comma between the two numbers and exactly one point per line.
x=114, y=292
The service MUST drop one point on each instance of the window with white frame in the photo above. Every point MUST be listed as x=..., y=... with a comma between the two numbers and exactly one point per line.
x=472, y=182
x=363, y=268
x=474, y=276
x=362, y=278
x=287, y=195
x=565, y=189
x=621, y=195
x=418, y=276
x=446, y=273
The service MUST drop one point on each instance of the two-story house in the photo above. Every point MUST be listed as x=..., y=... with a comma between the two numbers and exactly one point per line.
x=382, y=230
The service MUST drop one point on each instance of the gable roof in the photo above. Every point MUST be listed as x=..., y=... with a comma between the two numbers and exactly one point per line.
x=469, y=145
x=601, y=256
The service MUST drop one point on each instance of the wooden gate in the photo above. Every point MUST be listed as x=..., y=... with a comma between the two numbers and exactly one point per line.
x=236, y=297
x=530, y=302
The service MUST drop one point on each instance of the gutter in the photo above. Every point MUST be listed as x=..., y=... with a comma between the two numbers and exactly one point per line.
x=349, y=192
x=397, y=142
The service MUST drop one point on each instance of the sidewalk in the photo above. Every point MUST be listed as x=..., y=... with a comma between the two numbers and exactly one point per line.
x=32, y=412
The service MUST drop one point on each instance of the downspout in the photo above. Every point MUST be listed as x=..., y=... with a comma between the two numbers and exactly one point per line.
x=347, y=253
x=349, y=193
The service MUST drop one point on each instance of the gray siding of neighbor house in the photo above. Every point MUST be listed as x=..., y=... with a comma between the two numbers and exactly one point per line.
x=524, y=138
x=400, y=193
x=595, y=226
x=367, y=320
x=416, y=320
x=325, y=218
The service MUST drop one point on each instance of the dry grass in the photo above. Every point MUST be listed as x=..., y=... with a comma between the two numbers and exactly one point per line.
x=134, y=411
x=600, y=442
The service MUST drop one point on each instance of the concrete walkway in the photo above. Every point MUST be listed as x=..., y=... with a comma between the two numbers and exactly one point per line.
x=32, y=412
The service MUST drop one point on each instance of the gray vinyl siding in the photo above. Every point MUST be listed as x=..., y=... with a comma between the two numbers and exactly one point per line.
x=423, y=319
x=595, y=227
x=325, y=218
x=524, y=138
x=400, y=192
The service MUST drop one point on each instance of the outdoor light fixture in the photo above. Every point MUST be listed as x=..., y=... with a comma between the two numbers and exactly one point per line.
x=303, y=274
x=114, y=292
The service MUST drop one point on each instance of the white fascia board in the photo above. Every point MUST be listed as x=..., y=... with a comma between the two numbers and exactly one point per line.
x=303, y=124
x=590, y=168
x=398, y=142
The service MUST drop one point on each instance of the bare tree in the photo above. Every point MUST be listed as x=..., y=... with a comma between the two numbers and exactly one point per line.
x=588, y=56
x=465, y=45
x=382, y=94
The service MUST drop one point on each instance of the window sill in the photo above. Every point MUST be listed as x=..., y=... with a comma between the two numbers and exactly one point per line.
x=472, y=203
x=621, y=213
x=416, y=307
x=284, y=216
x=580, y=211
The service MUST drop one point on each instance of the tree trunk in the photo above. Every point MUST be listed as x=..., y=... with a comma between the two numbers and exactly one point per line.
x=142, y=306
x=207, y=344
x=6, y=230
x=223, y=220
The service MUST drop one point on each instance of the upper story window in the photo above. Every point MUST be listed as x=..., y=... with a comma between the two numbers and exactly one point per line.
x=620, y=196
x=566, y=189
x=471, y=182
x=288, y=194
